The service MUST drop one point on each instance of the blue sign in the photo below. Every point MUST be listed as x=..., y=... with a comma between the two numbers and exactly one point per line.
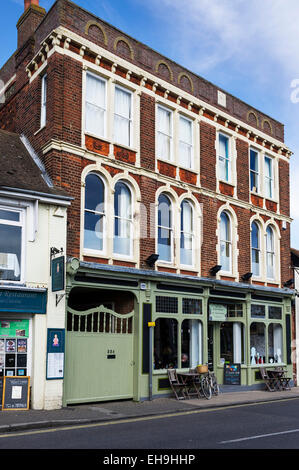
x=55, y=353
x=23, y=301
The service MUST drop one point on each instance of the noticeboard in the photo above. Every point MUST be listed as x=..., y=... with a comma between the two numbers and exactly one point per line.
x=232, y=374
x=55, y=353
x=16, y=391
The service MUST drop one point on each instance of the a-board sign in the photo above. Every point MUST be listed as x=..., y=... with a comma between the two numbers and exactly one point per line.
x=16, y=391
x=1, y=391
x=232, y=374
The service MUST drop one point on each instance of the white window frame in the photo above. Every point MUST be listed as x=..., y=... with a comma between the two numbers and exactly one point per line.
x=21, y=223
x=105, y=81
x=120, y=255
x=229, y=242
x=170, y=136
x=43, y=114
x=269, y=179
x=104, y=214
x=256, y=172
x=190, y=145
x=259, y=249
x=227, y=158
x=271, y=252
x=188, y=233
x=130, y=120
x=170, y=229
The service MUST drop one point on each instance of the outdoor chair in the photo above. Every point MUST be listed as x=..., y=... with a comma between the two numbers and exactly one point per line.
x=179, y=389
x=269, y=381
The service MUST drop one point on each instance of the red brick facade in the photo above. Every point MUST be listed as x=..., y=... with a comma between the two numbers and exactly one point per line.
x=21, y=113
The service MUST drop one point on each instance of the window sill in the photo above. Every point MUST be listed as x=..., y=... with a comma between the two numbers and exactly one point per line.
x=126, y=147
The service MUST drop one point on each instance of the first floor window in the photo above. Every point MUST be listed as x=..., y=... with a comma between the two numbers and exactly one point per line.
x=254, y=171
x=165, y=229
x=122, y=220
x=95, y=105
x=268, y=177
x=255, y=249
x=270, y=255
x=186, y=234
x=164, y=133
x=224, y=158
x=185, y=142
x=225, y=243
x=10, y=245
x=94, y=214
x=122, y=116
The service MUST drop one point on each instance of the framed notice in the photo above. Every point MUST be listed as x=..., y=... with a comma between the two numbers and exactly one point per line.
x=232, y=374
x=55, y=353
x=16, y=393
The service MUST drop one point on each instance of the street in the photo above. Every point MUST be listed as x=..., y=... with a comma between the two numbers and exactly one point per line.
x=273, y=425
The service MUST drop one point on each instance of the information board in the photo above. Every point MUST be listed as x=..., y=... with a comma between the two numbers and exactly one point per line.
x=16, y=391
x=232, y=374
x=55, y=353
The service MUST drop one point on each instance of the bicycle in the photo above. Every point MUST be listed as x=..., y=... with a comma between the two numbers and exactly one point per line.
x=213, y=383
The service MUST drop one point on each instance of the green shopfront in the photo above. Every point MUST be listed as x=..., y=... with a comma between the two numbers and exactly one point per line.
x=196, y=321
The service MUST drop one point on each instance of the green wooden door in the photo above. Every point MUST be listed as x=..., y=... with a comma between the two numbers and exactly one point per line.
x=99, y=356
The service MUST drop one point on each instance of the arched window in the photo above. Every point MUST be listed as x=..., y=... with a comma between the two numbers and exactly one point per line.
x=122, y=220
x=225, y=243
x=187, y=235
x=94, y=214
x=165, y=228
x=270, y=255
x=255, y=249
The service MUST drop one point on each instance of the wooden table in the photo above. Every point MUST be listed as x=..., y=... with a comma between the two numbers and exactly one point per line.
x=281, y=381
x=191, y=380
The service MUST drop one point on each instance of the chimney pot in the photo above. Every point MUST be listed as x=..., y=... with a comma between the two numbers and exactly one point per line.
x=27, y=3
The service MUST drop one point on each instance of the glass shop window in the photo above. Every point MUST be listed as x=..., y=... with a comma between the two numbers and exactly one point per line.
x=258, y=311
x=191, y=339
x=257, y=343
x=192, y=306
x=234, y=311
x=166, y=344
x=275, y=313
x=275, y=343
x=232, y=342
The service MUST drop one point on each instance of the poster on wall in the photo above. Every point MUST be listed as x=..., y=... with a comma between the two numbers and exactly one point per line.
x=55, y=353
x=14, y=328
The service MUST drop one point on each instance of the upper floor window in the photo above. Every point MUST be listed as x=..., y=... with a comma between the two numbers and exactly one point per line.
x=255, y=249
x=270, y=255
x=268, y=177
x=11, y=231
x=254, y=171
x=94, y=215
x=43, y=115
x=95, y=106
x=187, y=234
x=123, y=116
x=164, y=133
x=122, y=220
x=225, y=242
x=165, y=229
x=185, y=142
x=224, y=160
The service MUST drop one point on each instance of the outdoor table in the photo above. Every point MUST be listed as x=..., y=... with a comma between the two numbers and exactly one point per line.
x=190, y=379
x=279, y=376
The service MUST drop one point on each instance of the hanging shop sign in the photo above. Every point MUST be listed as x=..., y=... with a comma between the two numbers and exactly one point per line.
x=23, y=301
x=57, y=271
x=218, y=312
x=232, y=374
x=16, y=391
x=55, y=353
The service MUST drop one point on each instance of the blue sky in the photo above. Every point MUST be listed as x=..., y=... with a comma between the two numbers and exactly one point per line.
x=248, y=48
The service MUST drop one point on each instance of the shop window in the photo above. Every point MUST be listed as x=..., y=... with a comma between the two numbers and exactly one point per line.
x=257, y=343
x=187, y=235
x=235, y=310
x=258, y=311
x=11, y=229
x=275, y=313
x=14, y=347
x=192, y=306
x=95, y=105
x=166, y=343
x=191, y=340
x=122, y=220
x=94, y=213
x=275, y=343
x=166, y=304
x=232, y=342
x=165, y=229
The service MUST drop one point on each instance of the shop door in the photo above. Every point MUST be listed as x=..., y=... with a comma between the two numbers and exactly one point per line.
x=99, y=356
x=211, y=346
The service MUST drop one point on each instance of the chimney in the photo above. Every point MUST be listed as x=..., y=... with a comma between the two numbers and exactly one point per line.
x=29, y=21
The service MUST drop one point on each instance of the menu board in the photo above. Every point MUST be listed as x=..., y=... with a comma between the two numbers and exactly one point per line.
x=16, y=393
x=232, y=374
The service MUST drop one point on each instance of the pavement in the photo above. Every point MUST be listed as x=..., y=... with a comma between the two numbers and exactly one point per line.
x=16, y=421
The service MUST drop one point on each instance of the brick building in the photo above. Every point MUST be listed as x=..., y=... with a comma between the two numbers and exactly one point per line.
x=180, y=213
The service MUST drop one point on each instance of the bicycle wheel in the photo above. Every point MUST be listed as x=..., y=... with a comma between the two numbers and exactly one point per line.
x=215, y=386
x=206, y=388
